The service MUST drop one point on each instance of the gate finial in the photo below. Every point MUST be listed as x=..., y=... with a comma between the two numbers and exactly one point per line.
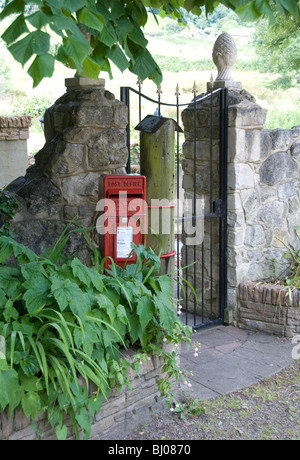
x=224, y=55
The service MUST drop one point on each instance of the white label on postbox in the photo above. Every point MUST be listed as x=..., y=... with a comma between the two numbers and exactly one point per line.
x=124, y=240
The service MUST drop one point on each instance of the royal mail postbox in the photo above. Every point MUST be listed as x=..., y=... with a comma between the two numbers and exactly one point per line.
x=123, y=217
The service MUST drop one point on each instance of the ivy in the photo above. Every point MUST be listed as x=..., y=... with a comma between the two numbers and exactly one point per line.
x=90, y=34
x=66, y=327
x=8, y=208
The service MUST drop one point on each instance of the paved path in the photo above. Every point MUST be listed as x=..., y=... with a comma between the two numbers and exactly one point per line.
x=231, y=359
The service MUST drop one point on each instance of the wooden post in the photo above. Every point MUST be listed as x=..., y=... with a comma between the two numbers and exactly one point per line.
x=157, y=159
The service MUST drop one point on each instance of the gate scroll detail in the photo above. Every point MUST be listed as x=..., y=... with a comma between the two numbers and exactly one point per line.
x=201, y=192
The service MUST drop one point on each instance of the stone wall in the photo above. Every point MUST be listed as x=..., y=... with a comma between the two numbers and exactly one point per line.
x=14, y=132
x=269, y=308
x=119, y=415
x=85, y=138
x=263, y=196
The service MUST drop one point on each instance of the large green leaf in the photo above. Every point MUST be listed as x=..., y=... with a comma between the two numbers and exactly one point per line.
x=10, y=389
x=42, y=67
x=37, y=293
x=68, y=294
x=90, y=19
x=118, y=57
x=13, y=7
x=74, y=49
x=145, y=310
x=31, y=404
x=35, y=43
x=9, y=281
x=17, y=28
x=74, y=5
x=88, y=276
x=38, y=19
x=166, y=312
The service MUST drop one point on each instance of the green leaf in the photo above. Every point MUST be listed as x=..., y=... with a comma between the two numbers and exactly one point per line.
x=74, y=5
x=61, y=432
x=68, y=294
x=3, y=299
x=17, y=28
x=22, y=253
x=248, y=12
x=31, y=404
x=108, y=36
x=145, y=67
x=10, y=390
x=83, y=420
x=87, y=275
x=166, y=312
x=121, y=314
x=86, y=339
x=9, y=281
x=36, y=42
x=9, y=311
x=37, y=294
x=106, y=304
x=6, y=248
x=137, y=36
x=90, y=19
x=116, y=55
x=145, y=310
x=38, y=19
x=74, y=49
x=16, y=6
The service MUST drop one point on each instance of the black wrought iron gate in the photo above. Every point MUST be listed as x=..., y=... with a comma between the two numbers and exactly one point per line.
x=201, y=264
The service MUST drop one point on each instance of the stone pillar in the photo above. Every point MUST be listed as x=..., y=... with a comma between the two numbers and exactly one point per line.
x=85, y=133
x=263, y=182
x=14, y=132
x=246, y=120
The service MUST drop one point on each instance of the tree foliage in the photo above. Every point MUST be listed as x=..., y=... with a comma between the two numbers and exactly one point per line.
x=278, y=45
x=89, y=35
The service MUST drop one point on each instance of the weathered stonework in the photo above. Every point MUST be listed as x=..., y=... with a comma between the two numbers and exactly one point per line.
x=85, y=138
x=14, y=132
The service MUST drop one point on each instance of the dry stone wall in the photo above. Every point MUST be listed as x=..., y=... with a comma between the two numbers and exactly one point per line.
x=85, y=133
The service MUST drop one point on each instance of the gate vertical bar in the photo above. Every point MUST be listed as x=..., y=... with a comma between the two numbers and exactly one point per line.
x=223, y=196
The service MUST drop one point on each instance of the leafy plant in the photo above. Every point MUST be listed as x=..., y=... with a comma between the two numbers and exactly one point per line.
x=293, y=276
x=8, y=207
x=66, y=327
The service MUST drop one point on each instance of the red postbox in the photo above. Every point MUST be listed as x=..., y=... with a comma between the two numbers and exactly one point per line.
x=123, y=218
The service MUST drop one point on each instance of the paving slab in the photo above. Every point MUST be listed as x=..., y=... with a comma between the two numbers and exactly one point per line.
x=230, y=359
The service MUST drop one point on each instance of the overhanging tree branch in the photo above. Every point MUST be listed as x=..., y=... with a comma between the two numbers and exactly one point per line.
x=92, y=34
